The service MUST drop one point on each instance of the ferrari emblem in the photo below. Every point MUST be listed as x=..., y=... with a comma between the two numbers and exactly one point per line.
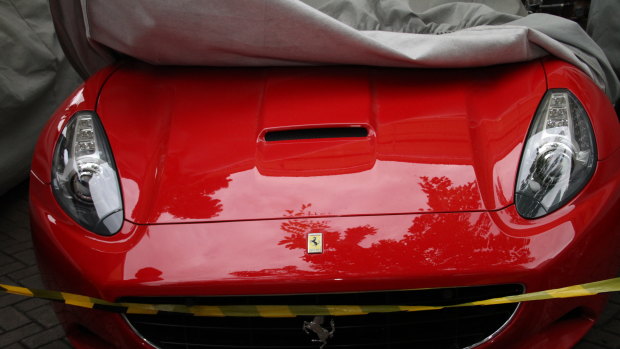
x=315, y=243
x=322, y=334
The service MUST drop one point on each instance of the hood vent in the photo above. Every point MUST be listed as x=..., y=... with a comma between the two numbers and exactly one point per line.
x=316, y=133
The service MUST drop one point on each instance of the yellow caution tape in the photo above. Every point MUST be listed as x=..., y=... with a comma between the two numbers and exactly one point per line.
x=282, y=311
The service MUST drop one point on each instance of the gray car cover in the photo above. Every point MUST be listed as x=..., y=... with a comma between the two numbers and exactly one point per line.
x=604, y=28
x=35, y=78
x=368, y=32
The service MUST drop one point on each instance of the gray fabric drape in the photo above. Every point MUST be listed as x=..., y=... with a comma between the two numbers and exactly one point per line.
x=366, y=32
x=604, y=28
x=34, y=79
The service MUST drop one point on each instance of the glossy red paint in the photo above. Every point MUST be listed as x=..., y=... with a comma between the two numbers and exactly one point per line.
x=189, y=144
x=189, y=152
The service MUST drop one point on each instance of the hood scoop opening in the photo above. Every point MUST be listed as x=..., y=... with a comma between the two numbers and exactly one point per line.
x=293, y=153
x=316, y=133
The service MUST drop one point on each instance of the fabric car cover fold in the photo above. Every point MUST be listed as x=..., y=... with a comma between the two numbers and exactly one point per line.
x=364, y=32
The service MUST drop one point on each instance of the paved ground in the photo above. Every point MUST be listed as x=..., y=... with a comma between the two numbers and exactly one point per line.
x=30, y=323
x=24, y=322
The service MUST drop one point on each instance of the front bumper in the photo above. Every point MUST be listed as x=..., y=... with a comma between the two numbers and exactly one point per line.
x=574, y=245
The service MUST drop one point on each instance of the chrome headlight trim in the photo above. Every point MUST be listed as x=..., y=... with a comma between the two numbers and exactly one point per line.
x=559, y=156
x=84, y=176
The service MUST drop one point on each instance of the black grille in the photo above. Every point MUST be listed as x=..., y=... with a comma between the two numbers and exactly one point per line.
x=446, y=328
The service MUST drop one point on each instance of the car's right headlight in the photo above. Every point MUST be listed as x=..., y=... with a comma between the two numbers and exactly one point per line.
x=559, y=155
x=84, y=179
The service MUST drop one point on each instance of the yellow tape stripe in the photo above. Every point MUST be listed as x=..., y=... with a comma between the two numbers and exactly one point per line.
x=77, y=300
x=574, y=291
x=412, y=308
x=279, y=311
x=343, y=310
x=603, y=286
x=135, y=308
x=274, y=311
x=20, y=291
x=206, y=310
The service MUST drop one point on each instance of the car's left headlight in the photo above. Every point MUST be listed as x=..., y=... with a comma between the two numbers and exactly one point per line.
x=84, y=178
x=559, y=155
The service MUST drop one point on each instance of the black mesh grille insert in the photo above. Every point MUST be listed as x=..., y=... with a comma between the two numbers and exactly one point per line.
x=447, y=328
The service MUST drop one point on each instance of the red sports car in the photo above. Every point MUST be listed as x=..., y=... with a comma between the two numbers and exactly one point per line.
x=327, y=185
x=330, y=185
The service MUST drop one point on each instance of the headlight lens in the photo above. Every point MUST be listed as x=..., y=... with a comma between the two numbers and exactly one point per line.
x=84, y=179
x=559, y=156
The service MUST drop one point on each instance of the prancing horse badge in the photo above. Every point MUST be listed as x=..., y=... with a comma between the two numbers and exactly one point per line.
x=315, y=243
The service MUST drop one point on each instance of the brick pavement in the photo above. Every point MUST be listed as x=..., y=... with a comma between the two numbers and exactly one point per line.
x=24, y=322
x=31, y=323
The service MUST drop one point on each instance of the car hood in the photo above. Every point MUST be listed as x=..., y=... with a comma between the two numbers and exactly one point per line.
x=194, y=144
